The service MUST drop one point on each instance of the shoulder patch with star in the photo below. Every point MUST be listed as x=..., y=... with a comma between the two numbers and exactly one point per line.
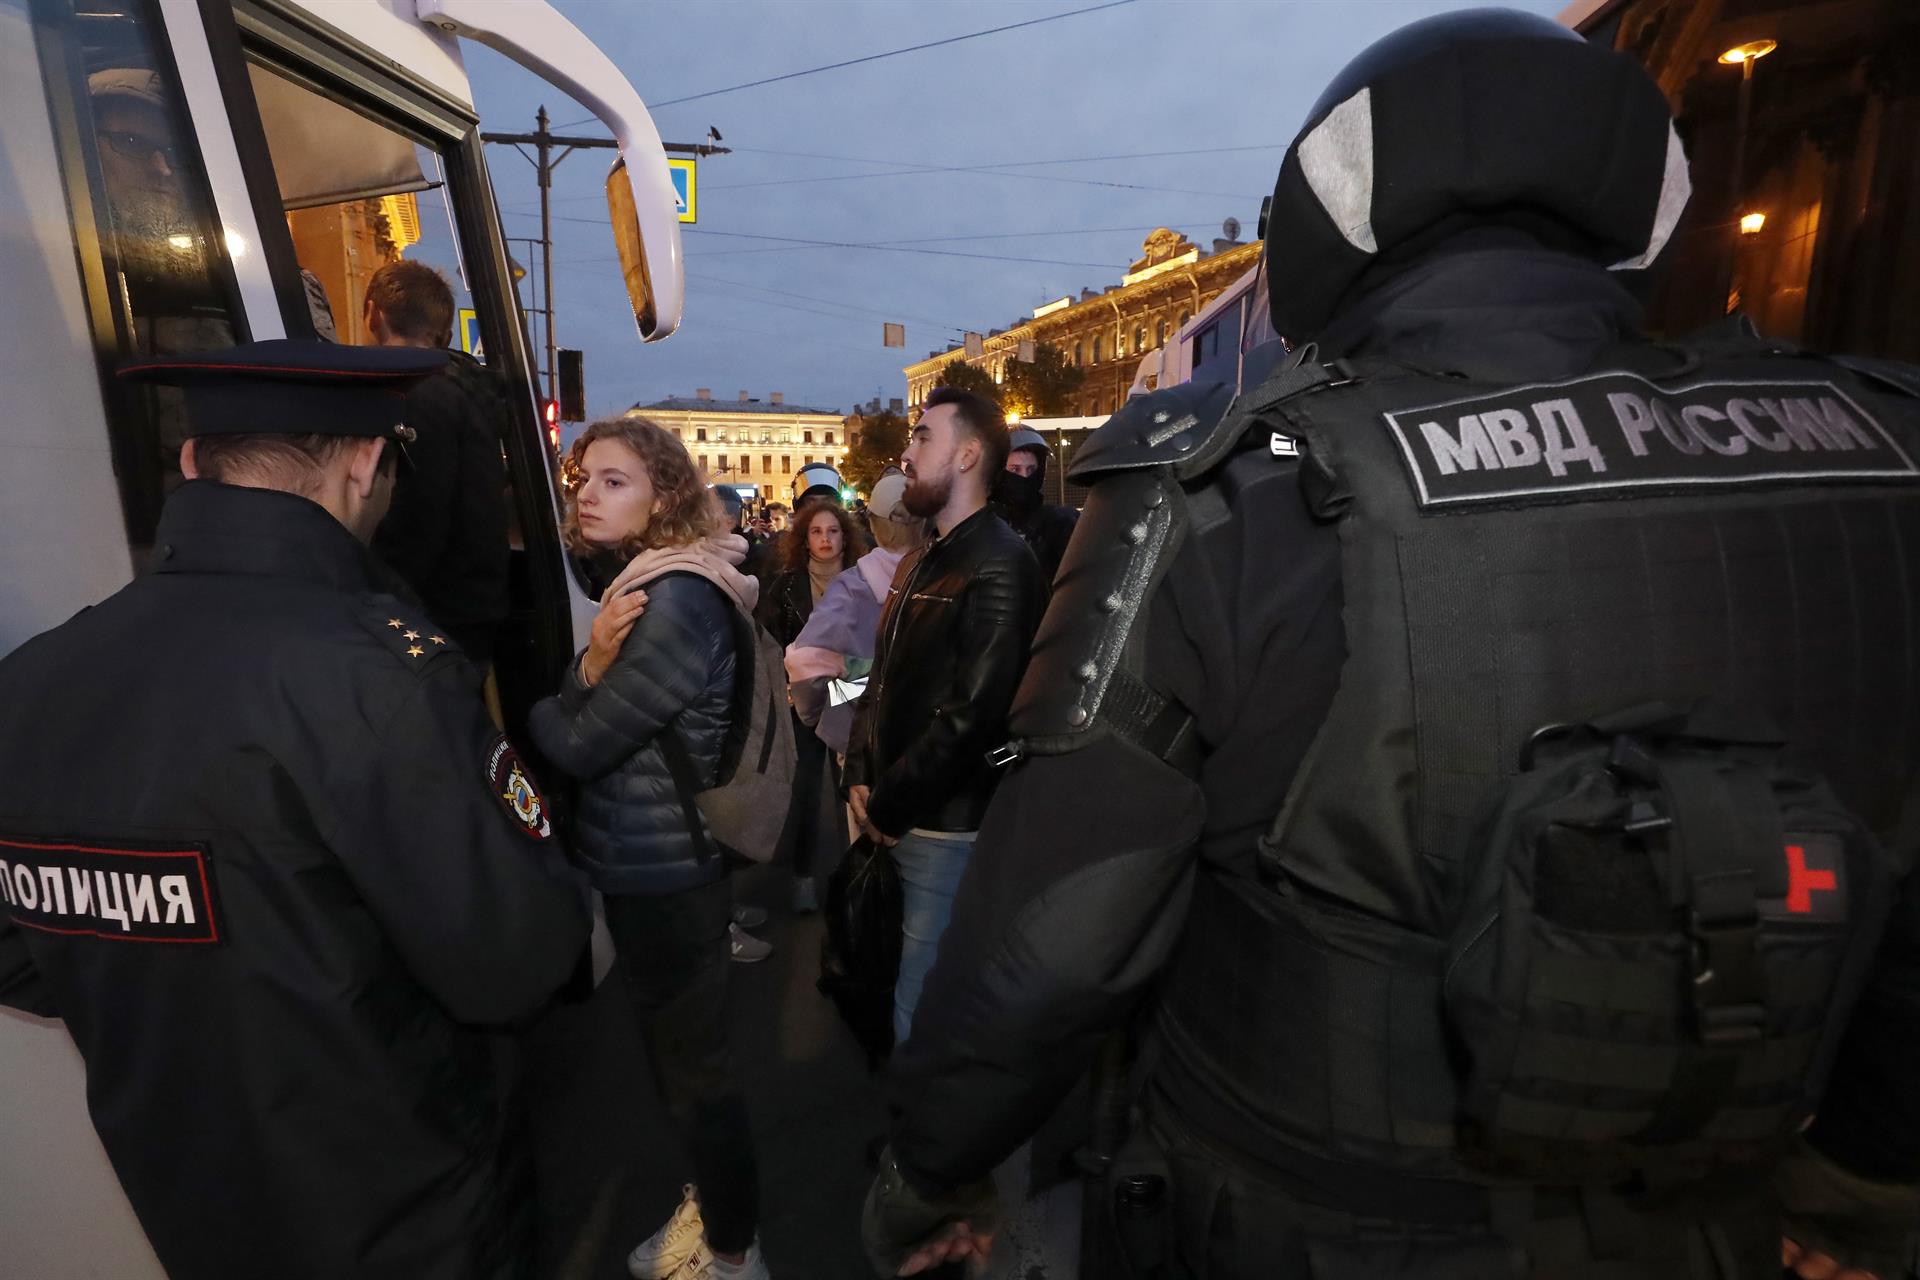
x=405, y=631
x=513, y=785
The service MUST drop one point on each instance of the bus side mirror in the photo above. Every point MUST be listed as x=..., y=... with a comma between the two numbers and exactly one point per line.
x=630, y=241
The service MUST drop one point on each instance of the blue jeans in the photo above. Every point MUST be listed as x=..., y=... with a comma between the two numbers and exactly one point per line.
x=930, y=869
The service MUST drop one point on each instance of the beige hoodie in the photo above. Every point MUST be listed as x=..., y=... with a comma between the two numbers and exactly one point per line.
x=713, y=559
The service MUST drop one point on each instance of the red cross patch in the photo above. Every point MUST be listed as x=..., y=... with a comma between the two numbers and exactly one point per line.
x=1816, y=870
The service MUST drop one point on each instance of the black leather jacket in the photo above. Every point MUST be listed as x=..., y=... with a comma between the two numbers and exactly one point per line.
x=954, y=638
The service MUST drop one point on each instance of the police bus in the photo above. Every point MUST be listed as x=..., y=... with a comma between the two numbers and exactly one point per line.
x=177, y=175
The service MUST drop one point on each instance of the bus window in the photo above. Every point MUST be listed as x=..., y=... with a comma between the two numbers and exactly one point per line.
x=157, y=273
x=356, y=197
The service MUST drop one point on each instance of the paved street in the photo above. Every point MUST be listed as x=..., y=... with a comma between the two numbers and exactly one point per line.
x=610, y=1170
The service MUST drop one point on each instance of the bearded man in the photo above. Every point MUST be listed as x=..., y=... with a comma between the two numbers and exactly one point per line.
x=954, y=639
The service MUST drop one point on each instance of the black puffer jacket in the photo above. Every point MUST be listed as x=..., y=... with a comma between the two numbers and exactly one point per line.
x=676, y=669
x=954, y=638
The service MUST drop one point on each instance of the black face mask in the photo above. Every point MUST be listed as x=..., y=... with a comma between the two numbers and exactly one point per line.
x=1020, y=494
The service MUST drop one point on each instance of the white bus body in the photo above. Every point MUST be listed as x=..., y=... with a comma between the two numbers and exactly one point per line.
x=255, y=130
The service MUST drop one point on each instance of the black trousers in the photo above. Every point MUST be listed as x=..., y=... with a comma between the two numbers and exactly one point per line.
x=673, y=954
x=816, y=822
x=1229, y=1223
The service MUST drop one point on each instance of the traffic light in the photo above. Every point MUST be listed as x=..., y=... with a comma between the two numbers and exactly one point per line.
x=550, y=414
x=573, y=387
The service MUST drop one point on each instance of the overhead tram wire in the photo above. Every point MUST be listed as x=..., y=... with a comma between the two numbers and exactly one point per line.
x=873, y=57
x=862, y=320
x=832, y=302
x=996, y=167
x=797, y=242
x=1027, y=164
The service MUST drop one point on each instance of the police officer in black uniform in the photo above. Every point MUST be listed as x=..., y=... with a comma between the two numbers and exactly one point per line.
x=265, y=856
x=1478, y=761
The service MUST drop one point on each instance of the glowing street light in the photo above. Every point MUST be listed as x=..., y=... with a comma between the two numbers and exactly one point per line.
x=1751, y=223
x=1742, y=56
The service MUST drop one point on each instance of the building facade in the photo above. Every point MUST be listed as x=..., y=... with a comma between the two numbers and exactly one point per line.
x=1801, y=120
x=1106, y=333
x=751, y=441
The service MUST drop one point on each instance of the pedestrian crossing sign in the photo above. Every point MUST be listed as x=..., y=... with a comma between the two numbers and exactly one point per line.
x=685, y=187
x=470, y=333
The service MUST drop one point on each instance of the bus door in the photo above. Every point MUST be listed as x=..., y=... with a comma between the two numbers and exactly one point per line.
x=353, y=168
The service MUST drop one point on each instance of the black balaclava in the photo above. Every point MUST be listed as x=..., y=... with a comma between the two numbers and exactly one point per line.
x=1480, y=118
x=1020, y=495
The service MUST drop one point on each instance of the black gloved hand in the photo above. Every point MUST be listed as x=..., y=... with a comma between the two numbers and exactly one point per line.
x=898, y=1219
x=1858, y=1223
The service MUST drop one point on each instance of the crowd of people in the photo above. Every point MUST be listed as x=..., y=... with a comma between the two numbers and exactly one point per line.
x=1447, y=798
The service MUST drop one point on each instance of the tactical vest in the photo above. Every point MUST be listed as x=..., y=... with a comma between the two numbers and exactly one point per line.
x=1517, y=561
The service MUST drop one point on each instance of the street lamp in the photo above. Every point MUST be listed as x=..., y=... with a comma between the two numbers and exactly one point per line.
x=1742, y=56
x=1751, y=224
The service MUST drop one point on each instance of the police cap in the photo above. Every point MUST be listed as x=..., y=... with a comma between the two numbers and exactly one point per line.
x=294, y=386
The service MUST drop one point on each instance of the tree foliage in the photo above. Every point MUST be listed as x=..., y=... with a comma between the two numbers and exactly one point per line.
x=958, y=373
x=883, y=438
x=1043, y=388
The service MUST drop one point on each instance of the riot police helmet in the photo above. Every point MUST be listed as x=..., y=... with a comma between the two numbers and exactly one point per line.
x=815, y=480
x=1482, y=117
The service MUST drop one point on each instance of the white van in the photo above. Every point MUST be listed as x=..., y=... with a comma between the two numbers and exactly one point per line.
x=178, y=175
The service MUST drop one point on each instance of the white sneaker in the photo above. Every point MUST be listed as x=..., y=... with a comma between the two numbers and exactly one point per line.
x=751, y=1267
x=746, y=948
x=698, y=1266
x=749, y=917
x=663, y=1253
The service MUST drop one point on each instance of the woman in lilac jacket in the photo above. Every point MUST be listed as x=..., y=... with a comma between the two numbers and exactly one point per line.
x=830, y=657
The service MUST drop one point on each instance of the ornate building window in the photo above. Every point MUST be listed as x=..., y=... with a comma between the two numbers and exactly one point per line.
x=1096, y=348
x=1140, y=338
x=1077, y=354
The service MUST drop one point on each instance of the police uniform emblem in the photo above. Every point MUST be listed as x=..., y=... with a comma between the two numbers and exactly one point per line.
x=514, y=787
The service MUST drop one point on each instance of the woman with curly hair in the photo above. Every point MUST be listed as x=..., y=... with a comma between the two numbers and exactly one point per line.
x=660, y=664
x=824, y=543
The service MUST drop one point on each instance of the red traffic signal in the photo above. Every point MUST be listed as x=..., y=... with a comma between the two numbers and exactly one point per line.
x=550, y=414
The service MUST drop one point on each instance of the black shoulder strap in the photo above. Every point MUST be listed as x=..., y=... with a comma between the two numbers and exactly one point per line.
x=673, y=748
x=687, y=786
x=1887, y=375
